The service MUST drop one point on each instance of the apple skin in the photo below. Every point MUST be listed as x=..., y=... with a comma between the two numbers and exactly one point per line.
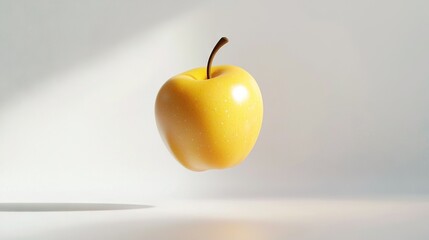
x=210, y=123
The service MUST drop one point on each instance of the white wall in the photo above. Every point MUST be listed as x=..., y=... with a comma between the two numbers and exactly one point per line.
x=344, y=87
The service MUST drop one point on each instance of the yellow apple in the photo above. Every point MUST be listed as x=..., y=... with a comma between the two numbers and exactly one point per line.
x=210, y=118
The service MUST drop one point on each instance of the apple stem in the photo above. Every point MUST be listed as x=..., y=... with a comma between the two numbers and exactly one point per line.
x=218, y=45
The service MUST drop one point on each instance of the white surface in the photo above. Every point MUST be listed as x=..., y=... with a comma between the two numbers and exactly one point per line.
x=231, y=219
x=345, y=87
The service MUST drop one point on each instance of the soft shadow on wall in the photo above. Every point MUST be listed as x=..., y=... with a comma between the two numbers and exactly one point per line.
x=345, y=113
x=40, y=39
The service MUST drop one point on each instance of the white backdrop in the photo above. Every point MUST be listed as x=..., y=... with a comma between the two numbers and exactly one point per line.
x=344, y=83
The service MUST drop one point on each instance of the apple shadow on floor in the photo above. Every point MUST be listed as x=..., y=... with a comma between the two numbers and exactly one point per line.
x=67, y=207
